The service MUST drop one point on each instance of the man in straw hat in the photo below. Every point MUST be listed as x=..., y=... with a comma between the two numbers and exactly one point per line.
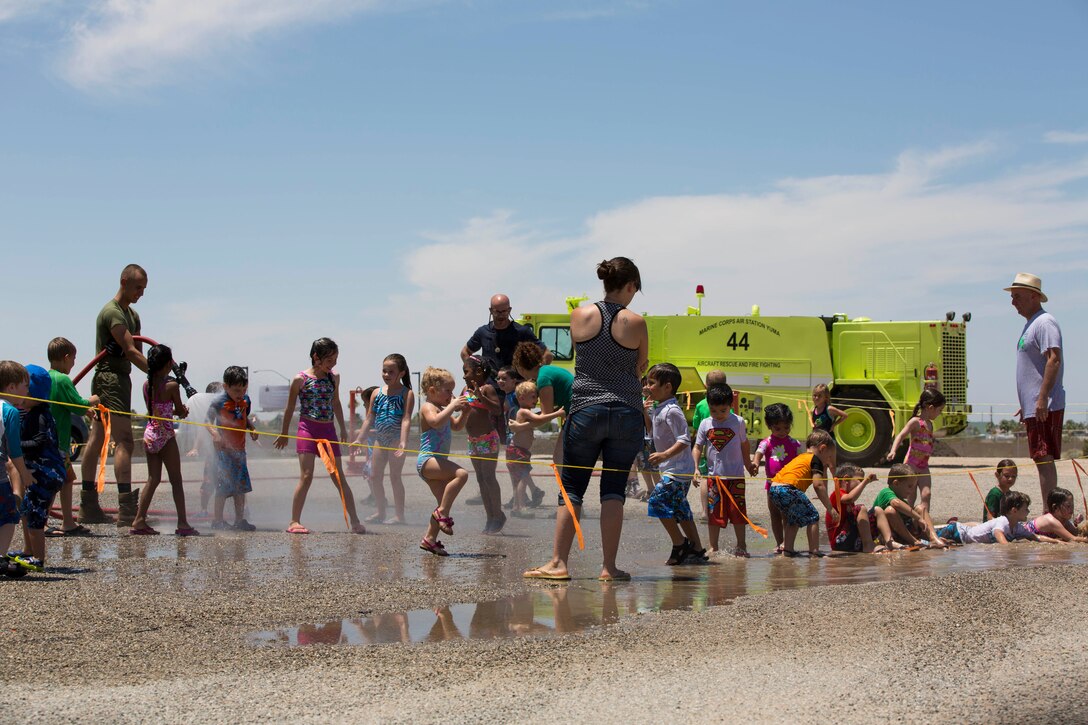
x=1039, y=366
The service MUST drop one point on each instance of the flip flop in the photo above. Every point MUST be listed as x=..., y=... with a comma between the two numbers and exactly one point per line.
x=79, y=530
x=188, y=531
x=143, y=531
x=297, y=529
x=622, y=577
x=539, y=573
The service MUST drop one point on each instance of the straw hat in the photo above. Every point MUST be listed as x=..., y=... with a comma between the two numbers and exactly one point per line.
x=1027, y=281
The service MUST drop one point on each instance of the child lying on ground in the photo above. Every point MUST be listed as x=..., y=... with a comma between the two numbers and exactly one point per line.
x=1007, y=527
x=1057, y=522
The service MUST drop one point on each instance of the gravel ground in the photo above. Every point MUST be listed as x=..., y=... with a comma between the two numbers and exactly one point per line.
x=162, y=629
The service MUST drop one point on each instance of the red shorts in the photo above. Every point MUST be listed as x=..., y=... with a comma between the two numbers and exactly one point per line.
x=720, y=509
x=1045, y=438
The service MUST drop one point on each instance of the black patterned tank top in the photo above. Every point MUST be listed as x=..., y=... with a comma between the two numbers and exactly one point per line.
x=604, y=370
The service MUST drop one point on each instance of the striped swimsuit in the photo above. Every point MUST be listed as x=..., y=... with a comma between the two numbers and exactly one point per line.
x=388, y=416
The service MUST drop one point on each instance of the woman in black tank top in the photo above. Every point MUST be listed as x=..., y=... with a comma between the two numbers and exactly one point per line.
x=606, y=423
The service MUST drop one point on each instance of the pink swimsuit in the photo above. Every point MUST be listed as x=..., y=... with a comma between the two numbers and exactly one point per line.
x=159, y=432
x=921, y=447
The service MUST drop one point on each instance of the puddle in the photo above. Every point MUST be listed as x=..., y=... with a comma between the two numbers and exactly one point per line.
x=567, y=608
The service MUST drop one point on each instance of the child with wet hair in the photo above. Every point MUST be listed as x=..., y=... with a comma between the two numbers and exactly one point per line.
x=1009, y=526
x=1057, y=523
x=444, y=477
x=483, y=439
x=668, y=503
x=1006, y=478
x=811, y=468
x=14, y=387
x=519, y=453
x=775, y=451
x=909, y=524
x=41, y=452
x=229, y=413
x=857, y=526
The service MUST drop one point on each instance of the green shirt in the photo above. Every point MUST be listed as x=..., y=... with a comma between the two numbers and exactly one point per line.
x=885, y=498
x=64, y=391
x=702, y=412
x=993, y=503
x=112, y=315
x=560, y=381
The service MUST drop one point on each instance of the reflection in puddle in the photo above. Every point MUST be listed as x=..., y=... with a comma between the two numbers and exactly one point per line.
x=583, y=604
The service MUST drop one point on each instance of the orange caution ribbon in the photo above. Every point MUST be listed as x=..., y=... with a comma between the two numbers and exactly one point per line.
x=324, y=449
x=981, y=496
x=1078, y=470
x=570, y=507
x=725, y=489
x=100, y=476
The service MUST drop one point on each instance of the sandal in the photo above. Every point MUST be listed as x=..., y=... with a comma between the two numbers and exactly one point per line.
x=297, y=529
x=144, y=530
x=445, y=523
x=679, y=553
x=434, y=547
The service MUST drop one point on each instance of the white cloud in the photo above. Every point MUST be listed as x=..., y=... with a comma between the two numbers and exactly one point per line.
x=905, y=244
x=1066, y=137
x=125, y=43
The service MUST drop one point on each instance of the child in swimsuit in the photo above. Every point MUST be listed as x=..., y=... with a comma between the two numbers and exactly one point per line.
x=775, y=451
x=388, y=420
x=1005, y=473
x=163, y=397
x=824, y=415
x=317, y=392
x=483, y=439
x=1057, y=523
x=920, y=429
x=444, y=477
x=519, y=453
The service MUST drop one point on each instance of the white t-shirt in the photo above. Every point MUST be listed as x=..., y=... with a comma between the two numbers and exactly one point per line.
x=721, y=443
x=669, y=426
x=984, y=533
x=1041, y=333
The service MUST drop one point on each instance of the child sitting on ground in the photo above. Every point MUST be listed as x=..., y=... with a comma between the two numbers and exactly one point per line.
x=14, y=386
x=519, y=453
x=66, y=401
x=775, y=451
x=811, y=468
x=909, y=524
x=41, y=452
x=1006, y=478
x=672, y=458
x=229, y=412
x=723, y=437
x=857, y=526
x=1057, y=522
x=1007, y=527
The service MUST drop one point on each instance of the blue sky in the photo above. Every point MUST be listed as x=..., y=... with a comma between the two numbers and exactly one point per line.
x=372, y=170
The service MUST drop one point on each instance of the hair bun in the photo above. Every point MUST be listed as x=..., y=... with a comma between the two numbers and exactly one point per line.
x=604, y=269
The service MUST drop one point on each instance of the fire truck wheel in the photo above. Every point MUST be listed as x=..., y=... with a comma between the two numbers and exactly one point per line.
x=867, y=432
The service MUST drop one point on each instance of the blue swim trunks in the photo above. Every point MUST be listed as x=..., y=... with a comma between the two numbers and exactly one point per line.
x=669, y=499
x=794, y=505
x=9, y=505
